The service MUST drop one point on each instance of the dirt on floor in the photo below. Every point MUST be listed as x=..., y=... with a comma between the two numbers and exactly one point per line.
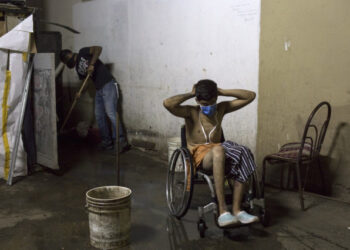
x=47, y=210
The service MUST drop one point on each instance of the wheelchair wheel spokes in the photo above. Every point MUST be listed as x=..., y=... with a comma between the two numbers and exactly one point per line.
x=179, y=182
x=170, y=181
x=178, y=185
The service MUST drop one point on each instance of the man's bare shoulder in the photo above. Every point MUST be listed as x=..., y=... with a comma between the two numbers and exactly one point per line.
x=221, y=107
x=193, y=110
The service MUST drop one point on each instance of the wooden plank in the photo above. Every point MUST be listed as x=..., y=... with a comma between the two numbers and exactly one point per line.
x=45, y=110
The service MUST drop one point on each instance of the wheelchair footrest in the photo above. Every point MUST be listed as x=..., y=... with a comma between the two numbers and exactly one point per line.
x=211, y=207
x=238, y=224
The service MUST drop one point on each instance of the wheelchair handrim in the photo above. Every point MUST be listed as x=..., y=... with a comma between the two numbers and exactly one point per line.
x=180, y=210
x=168, y=192
x=170, y=180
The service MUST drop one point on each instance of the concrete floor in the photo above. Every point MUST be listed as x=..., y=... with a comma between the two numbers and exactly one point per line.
x=46, y=211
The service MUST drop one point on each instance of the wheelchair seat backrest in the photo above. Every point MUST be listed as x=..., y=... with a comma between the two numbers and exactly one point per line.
x=183, y=136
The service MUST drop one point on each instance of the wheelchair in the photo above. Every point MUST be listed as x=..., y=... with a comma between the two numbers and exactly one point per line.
x=180, y=183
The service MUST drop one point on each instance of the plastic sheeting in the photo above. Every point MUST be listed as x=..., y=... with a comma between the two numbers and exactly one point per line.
x=19, y=37
x=14, y=47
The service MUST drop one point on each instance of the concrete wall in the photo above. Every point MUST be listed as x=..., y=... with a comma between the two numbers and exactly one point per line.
x=62, y=12
x=161, y=48
x=304, y=59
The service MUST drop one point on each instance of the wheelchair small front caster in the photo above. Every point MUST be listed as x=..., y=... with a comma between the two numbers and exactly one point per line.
x=201, y=226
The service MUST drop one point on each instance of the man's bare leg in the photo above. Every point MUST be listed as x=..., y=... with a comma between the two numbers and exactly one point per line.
x=215, y=160
x=242, y=216
x=237, y=197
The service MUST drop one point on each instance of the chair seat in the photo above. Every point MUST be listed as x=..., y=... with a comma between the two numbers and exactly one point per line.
x=290, y=151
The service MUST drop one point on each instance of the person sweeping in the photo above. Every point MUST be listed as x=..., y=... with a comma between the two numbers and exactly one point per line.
x=86, y=62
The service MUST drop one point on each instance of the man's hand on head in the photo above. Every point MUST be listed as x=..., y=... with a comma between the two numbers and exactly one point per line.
x=219, y=91
x=193, y=92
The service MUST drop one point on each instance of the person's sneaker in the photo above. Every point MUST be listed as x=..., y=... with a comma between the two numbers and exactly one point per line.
x=111, y=149
x=246, y=218
x=124, y=147
x=226, y=219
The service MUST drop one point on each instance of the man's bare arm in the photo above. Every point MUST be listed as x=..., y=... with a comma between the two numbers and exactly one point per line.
x=244, y=97
x=95, y=51
x=172, y=104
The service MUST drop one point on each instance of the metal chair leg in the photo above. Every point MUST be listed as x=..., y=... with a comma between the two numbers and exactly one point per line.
x=289, y=175
x=306, y=176
x=282, y=177
x=263, y=178
x=322, y=176
x=299, y=186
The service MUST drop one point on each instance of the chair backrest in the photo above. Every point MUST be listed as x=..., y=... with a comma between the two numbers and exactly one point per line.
x=184, y=140
x=312, y=134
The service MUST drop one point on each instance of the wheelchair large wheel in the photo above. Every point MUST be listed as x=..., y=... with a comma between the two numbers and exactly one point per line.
x=179, y=186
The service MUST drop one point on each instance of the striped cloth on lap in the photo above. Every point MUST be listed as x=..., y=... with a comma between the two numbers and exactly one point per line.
x=239, y=161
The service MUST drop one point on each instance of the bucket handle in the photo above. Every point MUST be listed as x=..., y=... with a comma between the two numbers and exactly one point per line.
x=95, y=212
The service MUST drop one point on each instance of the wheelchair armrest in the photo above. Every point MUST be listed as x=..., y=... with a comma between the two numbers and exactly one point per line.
x=183, y=137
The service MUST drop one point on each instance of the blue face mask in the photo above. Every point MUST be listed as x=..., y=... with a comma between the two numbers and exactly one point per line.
x=208, y=110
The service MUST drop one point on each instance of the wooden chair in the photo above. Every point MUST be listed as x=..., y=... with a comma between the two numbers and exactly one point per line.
x=306, y=152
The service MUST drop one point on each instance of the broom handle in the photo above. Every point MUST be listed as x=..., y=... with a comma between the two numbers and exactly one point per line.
x=74, y=102
x=117, y=147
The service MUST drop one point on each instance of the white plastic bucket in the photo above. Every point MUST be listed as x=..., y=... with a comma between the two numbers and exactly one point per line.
x=173, y=144
x=109, y=216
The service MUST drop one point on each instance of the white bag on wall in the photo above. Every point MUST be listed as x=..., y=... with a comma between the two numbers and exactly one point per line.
x=13, y=69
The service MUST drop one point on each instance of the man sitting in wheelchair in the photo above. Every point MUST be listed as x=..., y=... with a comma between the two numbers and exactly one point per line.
x=204, y=133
